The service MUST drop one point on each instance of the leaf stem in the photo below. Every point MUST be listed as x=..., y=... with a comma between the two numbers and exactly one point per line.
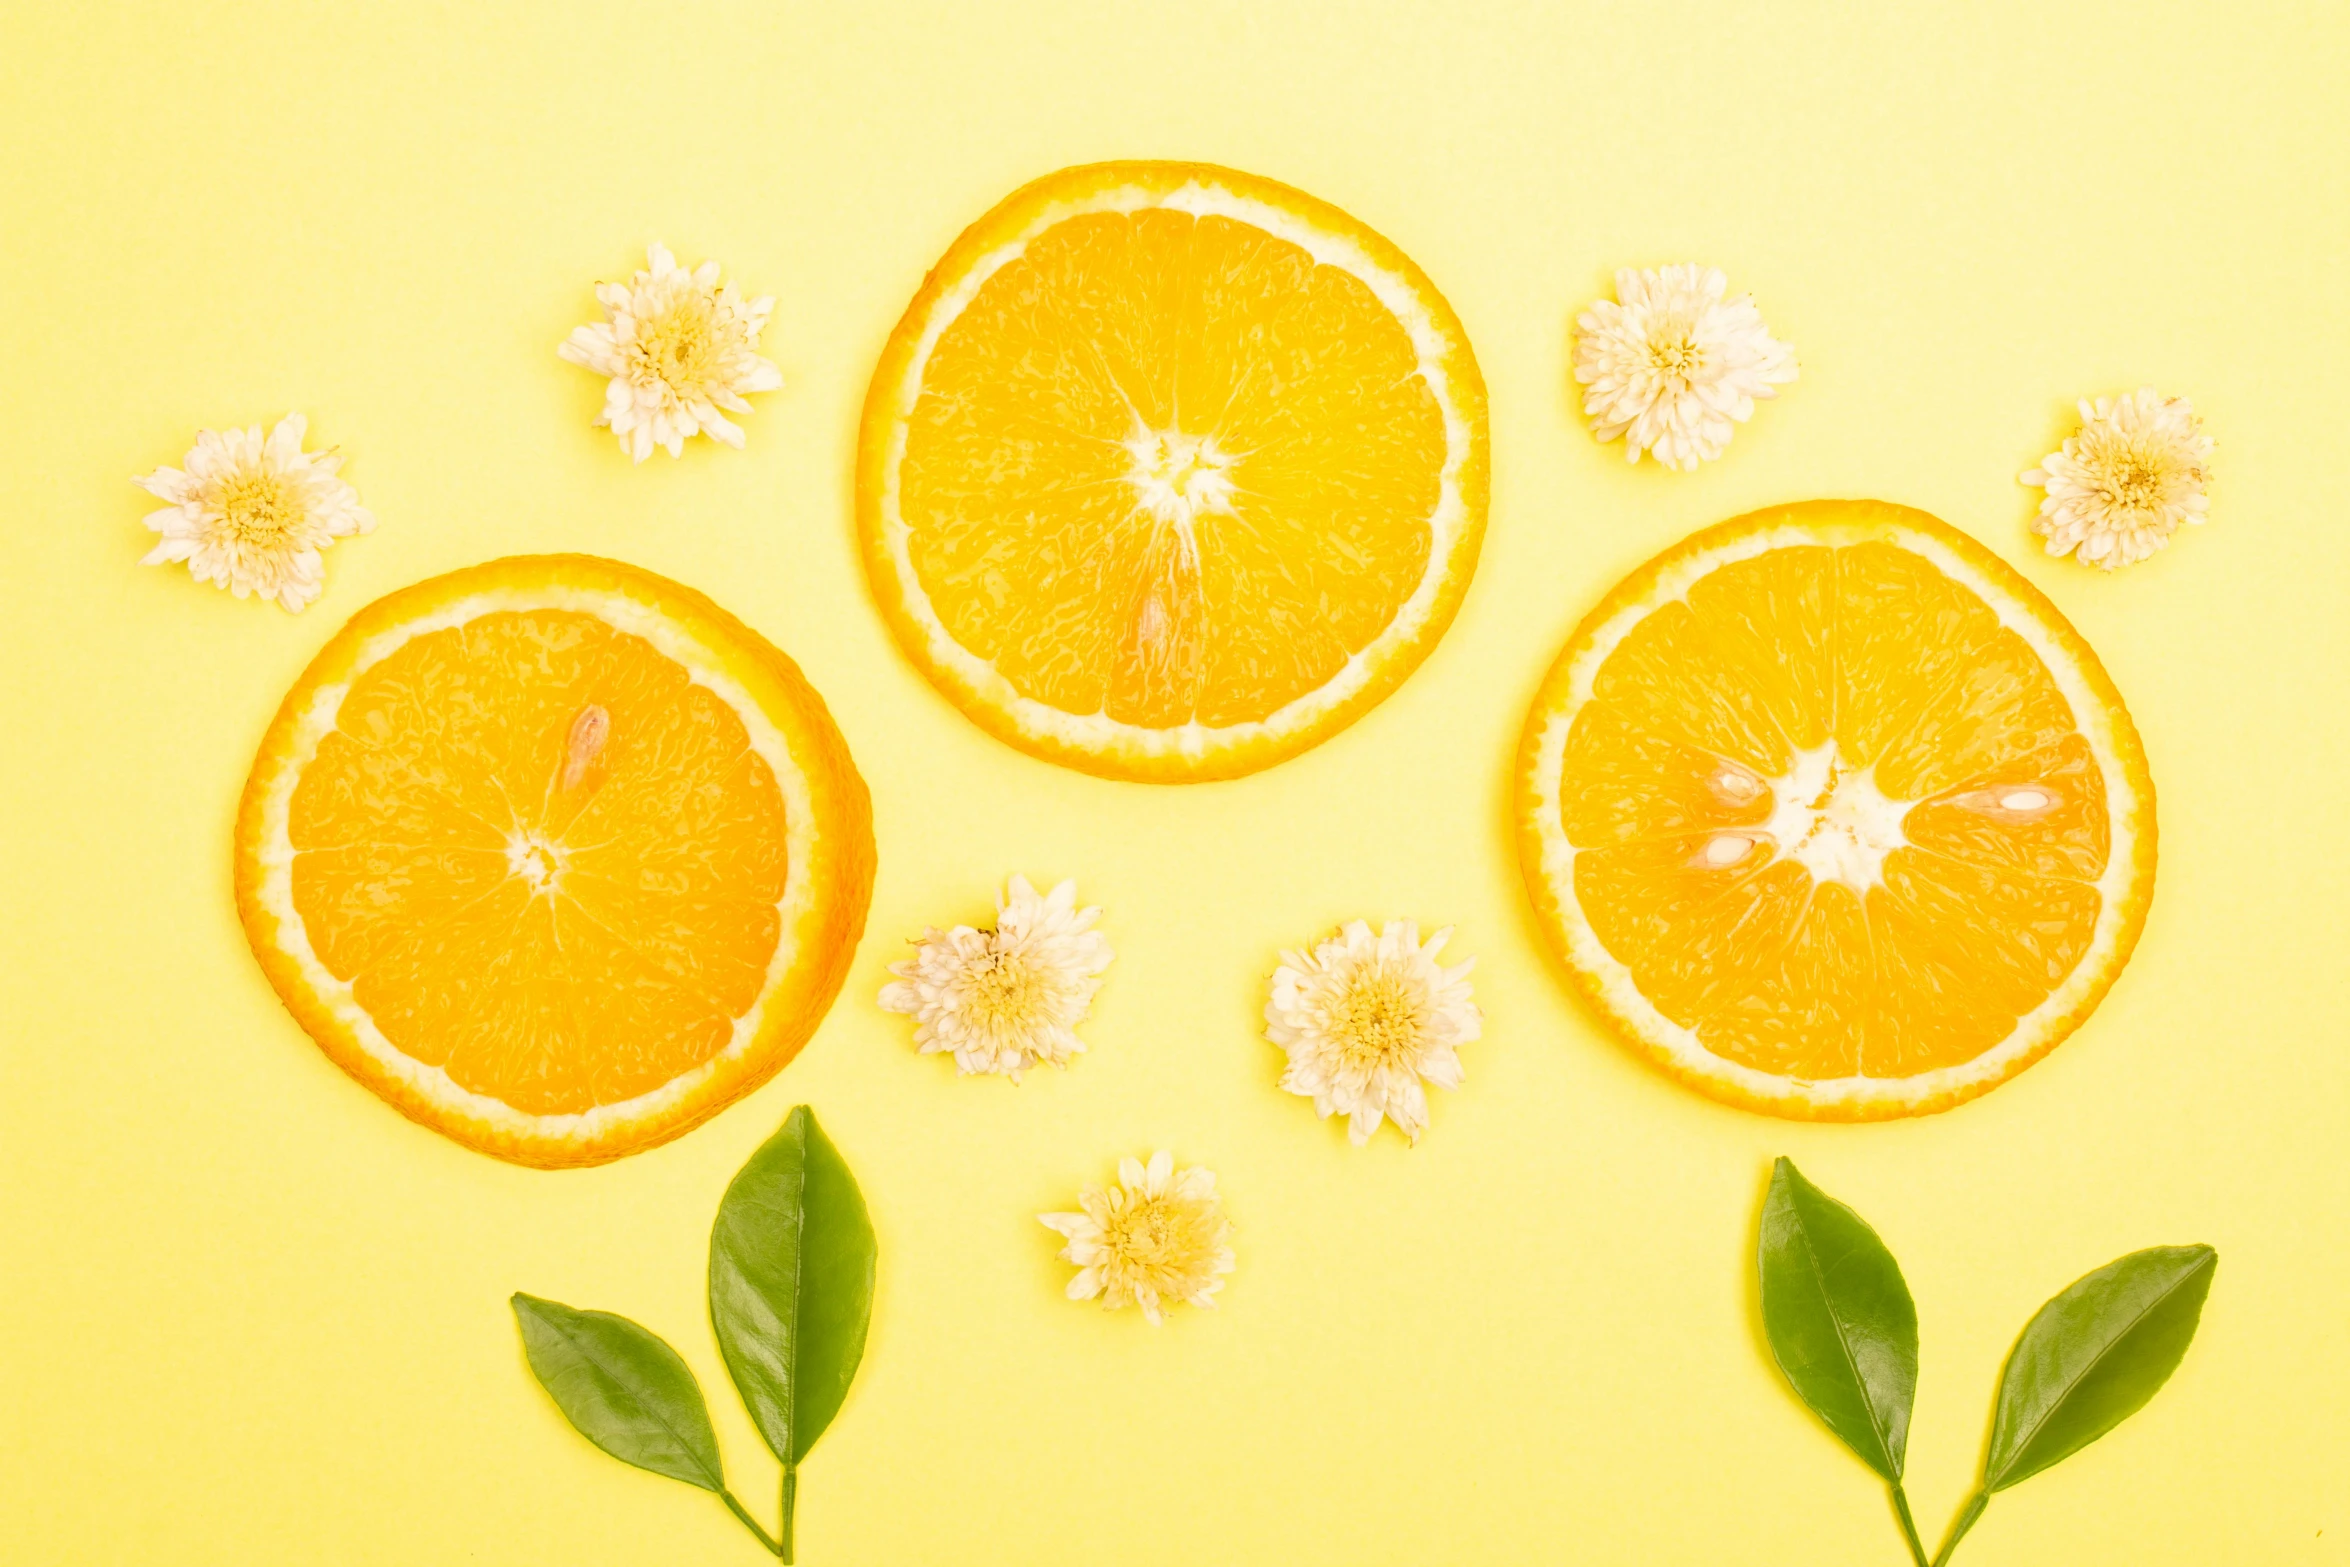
x=791, y=1495
x=1966, y=1520
x=735, y=1507
x=1909, y=1526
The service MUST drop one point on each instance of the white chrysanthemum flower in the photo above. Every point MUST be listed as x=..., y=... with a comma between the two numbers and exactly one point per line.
x=251, y=514
x=2121, y=487
x=1158, y=1236
x=1006, y=999
x=678, y=346
x=1670, y=363
x=1366, y=1020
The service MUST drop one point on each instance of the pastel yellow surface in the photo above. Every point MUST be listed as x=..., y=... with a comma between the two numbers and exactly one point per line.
x=249, y=1315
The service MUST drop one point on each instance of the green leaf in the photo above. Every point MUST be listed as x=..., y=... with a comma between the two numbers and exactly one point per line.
x=2093, y=1356
x=626, y=1390
x=1839, y=1318
x=791, y=1284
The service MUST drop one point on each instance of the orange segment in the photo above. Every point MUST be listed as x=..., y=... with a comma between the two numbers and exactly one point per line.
x=1834, y=815
x=1171, y=472
x=555, y=855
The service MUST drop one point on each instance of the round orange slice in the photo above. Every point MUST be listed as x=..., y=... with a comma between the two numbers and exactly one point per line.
x=1171, y=472
x=1832, y=813
x=555, y=855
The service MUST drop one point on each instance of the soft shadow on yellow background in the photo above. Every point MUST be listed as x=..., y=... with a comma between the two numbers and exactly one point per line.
x=249, y=1315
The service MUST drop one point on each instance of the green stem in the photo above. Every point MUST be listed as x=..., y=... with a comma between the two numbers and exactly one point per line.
x=791, y=1495
x=1909, y=1526
x=735, y=1507
x=1966, y=1520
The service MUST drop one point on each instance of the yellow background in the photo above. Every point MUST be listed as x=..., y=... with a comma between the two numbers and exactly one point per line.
x=249, y=1315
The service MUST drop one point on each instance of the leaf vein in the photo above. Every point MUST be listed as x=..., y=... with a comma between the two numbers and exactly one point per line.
x=2033, y=1433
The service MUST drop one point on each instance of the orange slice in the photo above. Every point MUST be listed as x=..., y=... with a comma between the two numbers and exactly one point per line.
x=555, y=855
x=1831, y=813
x=1171, y=472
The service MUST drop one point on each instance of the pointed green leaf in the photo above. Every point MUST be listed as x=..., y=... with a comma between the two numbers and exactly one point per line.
x=791, y=1284
x=1839, y=1318
x=2093, y=1356
x=625, y=1390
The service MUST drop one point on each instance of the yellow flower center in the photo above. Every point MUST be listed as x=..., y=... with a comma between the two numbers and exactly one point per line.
x=1167, y=1243
x=1676, y=353
x=2138, y=481
x=1379, y=1020
x=259, y=510
x=680, y=345
x=1006, y=992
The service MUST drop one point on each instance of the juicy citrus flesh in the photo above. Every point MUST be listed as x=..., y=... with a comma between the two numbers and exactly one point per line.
x=1190, y=492
x=1171, y=471
x=523, y=858
x=1831, y=810
x=545, y=861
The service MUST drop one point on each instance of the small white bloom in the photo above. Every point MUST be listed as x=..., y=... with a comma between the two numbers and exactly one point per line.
x=1006, y=999
x=678, y=346
x=1367, y=1019
x=2121, y=487
x=251, y=514
x=1669, y=363
x=1159, y=1235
